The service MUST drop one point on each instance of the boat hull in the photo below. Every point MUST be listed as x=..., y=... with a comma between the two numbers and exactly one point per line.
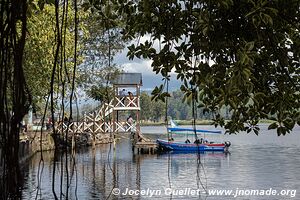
x=188, y=147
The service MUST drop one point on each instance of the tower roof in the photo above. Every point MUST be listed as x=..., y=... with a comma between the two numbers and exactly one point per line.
x=128, y=79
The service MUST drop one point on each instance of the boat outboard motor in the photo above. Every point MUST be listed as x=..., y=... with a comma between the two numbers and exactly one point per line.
x=227, y=143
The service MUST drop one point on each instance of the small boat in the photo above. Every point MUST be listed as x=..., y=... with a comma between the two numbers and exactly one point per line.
x=199, y=145
x=166, y=145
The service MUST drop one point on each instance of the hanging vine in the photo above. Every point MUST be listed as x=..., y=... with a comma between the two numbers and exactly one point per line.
x=14, y=94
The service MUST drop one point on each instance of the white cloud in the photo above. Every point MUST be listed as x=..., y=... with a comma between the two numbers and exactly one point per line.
x=150, y=78
x=144, y=66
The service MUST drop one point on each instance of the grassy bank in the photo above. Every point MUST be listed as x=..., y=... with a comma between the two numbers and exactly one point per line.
x=179, y=122
x=198, y=122
x=147, y=123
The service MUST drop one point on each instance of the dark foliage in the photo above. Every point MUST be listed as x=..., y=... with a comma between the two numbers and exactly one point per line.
x=239, y=53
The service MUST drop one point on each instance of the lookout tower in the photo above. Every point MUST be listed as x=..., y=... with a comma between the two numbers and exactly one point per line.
x=126, y=111
x=121, y=114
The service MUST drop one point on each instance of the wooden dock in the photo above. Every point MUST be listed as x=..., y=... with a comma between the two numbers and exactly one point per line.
x=149, y=147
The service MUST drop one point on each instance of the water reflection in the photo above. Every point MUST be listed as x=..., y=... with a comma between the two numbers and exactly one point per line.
x=250, y=165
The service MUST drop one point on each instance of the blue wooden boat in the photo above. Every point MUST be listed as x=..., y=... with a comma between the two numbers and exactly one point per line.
x=166, y=145
x=197, y=146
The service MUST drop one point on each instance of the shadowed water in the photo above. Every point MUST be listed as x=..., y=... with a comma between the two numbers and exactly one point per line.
x=265, y=162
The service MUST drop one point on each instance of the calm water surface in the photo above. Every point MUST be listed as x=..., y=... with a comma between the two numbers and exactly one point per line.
x=265, y=162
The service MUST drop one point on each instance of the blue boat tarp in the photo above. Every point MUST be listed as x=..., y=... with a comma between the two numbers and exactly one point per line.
x=179, y=129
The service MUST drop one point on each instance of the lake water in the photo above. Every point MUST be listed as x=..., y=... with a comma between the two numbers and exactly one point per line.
x=257, y=167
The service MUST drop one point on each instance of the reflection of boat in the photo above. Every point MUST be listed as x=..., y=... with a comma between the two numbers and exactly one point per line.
x=199, y=145
x=191, y=155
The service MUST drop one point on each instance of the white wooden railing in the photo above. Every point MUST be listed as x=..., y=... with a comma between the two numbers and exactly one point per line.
x=94, y=122
x=94, y=127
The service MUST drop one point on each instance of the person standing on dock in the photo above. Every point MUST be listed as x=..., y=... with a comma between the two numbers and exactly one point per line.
x=122, y=96
x=130, y=122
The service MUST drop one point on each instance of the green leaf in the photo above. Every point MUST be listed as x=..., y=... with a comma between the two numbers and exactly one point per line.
x=289, y=123
x=256, y=21
x=280, y=131
x=267, y=19
x=249, y=46
x=273, y=126
x=50, y=2
x=41, y=4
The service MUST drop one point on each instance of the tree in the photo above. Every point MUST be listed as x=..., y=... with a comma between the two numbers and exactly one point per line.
x=15, y=97
x=39, y=52
x=104, y=41
x=158, y=110
x=151, y=110
x=145, y=100
x=39, y=55
x=237, y=53
x=178, y=109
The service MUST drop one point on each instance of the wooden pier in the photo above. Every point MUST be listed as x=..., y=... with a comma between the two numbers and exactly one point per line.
x=142, y=145
x=149, y=147
x=121, y=115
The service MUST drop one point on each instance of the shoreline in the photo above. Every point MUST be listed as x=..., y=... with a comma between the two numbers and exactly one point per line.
x=198, y=122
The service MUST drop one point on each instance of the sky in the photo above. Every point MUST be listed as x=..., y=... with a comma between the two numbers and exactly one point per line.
x=150, y=78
